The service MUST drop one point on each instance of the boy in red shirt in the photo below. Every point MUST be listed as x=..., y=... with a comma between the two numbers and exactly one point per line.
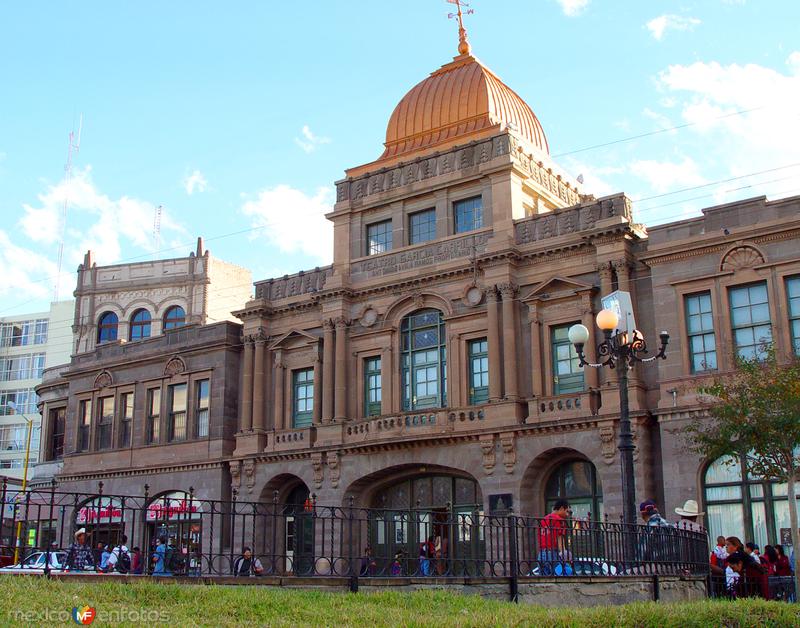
x=552, y=535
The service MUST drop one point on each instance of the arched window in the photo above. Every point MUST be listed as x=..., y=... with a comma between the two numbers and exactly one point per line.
x=740, y=504
x=175, y=317
x=577, y=482
x=424, y=360
x=140, y=325
x=107, y=326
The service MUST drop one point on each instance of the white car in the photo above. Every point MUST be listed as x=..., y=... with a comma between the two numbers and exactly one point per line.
x=34, y=563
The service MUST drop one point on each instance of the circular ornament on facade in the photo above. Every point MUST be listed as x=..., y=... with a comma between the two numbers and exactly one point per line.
x=473, y=296
x=369, y=317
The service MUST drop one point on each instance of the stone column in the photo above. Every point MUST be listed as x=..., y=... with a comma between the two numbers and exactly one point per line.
x=327, y=371
x=604, y=270
x=493, y=339
x=247, y=386
x=387, y=374
x=340, y=384
x=623, y=274
x=280, y=370
x=258, y=383
x=590, y=348
x=317, y=388
x=537, y=381
x=510, y=365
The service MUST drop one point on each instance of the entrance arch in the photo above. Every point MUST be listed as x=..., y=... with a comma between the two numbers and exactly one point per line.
x=289, y=533
x=422, y=521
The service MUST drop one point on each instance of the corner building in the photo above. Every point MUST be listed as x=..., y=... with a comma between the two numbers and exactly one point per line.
x=428, y=367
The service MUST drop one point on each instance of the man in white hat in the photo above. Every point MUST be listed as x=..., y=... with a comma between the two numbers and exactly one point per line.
x=689, y=514
x=80, y=554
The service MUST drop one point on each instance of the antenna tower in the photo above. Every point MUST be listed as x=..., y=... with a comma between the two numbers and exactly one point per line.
x=74, y=146
x=157, y=231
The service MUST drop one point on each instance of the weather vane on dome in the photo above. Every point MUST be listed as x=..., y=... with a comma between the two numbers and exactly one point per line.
x=463, y=44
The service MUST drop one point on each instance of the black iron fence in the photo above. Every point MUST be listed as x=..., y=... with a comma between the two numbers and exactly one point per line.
x=206, y=537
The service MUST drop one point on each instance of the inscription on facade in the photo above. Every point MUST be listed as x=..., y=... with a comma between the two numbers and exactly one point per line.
x=303, y=282
x=423, y=256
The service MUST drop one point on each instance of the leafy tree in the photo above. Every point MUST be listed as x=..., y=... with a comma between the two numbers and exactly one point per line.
x=754, y=412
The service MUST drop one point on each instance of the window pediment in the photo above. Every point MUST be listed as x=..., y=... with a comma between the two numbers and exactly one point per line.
x=557, y=288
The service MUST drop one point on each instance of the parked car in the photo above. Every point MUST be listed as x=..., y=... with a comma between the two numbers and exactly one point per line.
x=34, y=563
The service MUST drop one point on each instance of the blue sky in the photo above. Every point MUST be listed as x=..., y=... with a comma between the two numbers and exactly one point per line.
x=241, y=116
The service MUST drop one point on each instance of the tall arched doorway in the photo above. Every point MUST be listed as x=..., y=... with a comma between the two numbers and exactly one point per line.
x=576, y=481
x=423, y=360
x=444, y=511
x=298, y=541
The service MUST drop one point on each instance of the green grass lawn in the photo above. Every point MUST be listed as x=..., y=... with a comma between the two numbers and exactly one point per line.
x=198, y=605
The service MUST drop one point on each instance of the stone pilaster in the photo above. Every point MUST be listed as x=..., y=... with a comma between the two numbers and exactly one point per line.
x=280, y=376
x=327, y=371
x=340, y=386
x=247, y=386
x=510, y=363
x=493, y=339
x=258, y=383
x=317, y=388
x=537, y=381
x=590, y=348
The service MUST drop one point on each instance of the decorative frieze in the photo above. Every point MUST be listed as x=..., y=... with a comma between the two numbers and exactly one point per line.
x=304, y=282
x=571, y=219
x=419, y=256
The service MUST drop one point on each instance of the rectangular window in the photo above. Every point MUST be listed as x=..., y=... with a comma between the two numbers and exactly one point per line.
x=700, y=333
x=793, y=295
x=203, y=398
x=379, y=237
x=153, y=415
x=177, y=413
x=372, y=386
x=25, y=401
x=14, y=463
x=105, y=422
x=302, y=398
x=422, y=226
x=126, y=419
x=40, y=332
x=750, y=320
x=58, y=425
x=13, y=437
x=84, y=424
x=468, y=214
x=567, y=373
x=478, y=371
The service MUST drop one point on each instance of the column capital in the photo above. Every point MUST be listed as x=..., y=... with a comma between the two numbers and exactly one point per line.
x=341, y=322
x=604, y=268
x=327, y=325
x=620, y=264
x=491, y=293
x=508, y=290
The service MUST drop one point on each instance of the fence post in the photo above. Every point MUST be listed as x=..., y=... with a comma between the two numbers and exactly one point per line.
x=50, y=526
x=274, y=548
x=513, y=551
x=353, y=571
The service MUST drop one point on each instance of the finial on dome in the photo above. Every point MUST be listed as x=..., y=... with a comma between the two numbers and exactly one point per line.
x=463, y=43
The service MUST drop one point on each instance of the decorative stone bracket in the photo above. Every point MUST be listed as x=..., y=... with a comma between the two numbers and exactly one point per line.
x=236, y=473
x=333, y=459
x=607, y=447
x=509, y=444
x=316, y=465
x=249, y=467
x=488, y=448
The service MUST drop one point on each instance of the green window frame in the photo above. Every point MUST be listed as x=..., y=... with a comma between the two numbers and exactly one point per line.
x=379, y=237
x=567, y=372
x=468, y=214
x=750, y=320
x=422, y=226
x=700, y=332
x=302, y=398
x=793, y=297
x=423, y=360
x=372, y=386
x=478, y=351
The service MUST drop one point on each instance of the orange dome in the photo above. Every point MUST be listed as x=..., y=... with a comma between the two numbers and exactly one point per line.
x=460, y=100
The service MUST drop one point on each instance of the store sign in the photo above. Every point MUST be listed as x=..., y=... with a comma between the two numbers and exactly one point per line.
x=100, y=510
x=172, y=507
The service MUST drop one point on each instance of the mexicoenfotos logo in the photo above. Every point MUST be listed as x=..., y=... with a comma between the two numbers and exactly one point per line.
x=84, y=616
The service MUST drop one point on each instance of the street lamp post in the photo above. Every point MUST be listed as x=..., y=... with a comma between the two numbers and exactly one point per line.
x=24, y=487
x=619, y=349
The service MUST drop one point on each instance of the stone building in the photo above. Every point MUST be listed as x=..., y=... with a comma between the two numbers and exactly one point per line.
x=428, y=367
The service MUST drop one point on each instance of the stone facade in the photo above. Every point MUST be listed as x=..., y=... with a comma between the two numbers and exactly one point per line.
x=294, y=387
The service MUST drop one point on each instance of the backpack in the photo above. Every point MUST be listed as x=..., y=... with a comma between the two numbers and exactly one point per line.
x=123, y=561
x=173, y=560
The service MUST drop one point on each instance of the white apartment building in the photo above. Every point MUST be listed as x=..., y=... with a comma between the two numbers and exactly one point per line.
x=29, y=343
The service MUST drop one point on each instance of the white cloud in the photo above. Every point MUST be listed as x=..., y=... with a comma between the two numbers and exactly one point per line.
x=669, y=21
x=23, y=270
x=94, y=221
x=293, y=221
x=573, y=8
x=594, y=177
x=195, y=182
x=310, y=142
x=663, y=176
